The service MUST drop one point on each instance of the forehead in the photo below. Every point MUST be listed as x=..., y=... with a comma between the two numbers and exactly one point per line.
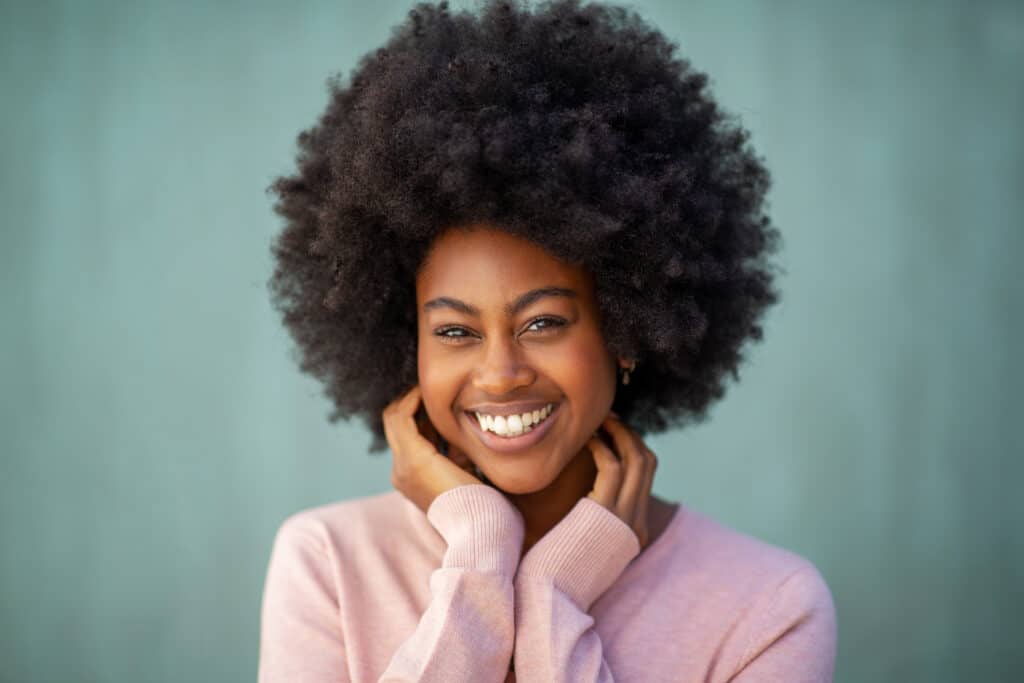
x=482, y=262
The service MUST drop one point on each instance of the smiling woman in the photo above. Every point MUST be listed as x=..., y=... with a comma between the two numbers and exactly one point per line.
x=517, y=241
x=532, y=338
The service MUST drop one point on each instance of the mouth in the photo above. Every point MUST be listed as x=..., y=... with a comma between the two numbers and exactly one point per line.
x=513, y=444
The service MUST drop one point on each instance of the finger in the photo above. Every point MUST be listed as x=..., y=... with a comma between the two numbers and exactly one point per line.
x=650, y=462
x=412, y=404
x=411, y=440
x=427, y=429
x=609, y=474
x=633, y=468
x=408, y=403
x=408, y=423
x=402, y=430
x=404, y=437
x=403, y=405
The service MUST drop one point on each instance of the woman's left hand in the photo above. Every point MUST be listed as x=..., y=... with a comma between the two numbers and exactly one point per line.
x=624, y=475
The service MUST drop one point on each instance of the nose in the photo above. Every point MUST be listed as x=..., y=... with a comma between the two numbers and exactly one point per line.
x=502, y=369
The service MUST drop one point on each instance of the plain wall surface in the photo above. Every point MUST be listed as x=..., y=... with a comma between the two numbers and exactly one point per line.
x=155, y=431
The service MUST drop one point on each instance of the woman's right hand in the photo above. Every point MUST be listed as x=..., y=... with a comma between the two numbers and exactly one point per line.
x=418, y=470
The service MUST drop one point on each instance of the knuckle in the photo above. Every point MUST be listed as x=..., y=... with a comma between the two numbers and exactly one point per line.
x=637, y=442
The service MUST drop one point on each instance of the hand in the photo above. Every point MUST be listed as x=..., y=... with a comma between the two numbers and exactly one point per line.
x=419, y=471
x=623, y=483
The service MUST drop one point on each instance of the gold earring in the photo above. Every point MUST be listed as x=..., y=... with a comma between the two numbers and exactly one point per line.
x=626, y=371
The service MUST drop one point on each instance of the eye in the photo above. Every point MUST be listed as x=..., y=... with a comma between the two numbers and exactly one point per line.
x=551, y=321
x=453, y=334
x=443, y=333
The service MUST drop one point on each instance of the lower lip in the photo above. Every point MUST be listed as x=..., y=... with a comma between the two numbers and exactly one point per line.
x=515, y=443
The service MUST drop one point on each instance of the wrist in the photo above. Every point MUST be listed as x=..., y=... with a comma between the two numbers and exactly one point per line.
x=583, y=554
x=482, y=528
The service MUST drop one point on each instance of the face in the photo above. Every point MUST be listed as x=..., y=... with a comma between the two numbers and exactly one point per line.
x=505, y=330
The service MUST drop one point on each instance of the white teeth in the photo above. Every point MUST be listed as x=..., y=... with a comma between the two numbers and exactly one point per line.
x=500, y=426
x=513, y=425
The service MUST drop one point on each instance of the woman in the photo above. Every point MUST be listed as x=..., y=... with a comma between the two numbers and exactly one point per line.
x=517, y=241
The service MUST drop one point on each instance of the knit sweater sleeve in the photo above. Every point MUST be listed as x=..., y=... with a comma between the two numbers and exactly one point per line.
x=557, y=581
x=465, y=633
x=300, y=630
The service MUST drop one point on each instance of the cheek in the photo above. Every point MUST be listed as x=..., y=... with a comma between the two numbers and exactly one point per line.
x=437, y=385
x=586, y=372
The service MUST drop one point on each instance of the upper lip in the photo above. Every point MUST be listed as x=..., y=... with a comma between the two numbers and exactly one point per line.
x=508, y=408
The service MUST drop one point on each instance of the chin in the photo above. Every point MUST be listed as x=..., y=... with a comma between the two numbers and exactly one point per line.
x=518, y=483
x=518, y=488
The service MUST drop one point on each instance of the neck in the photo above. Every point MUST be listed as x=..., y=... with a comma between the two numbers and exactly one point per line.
x=543, y=509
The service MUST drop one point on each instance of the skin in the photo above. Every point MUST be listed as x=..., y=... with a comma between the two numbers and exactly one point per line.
x=552, y=351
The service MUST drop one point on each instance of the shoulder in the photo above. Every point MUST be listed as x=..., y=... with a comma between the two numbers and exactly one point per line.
x=350, y=513
x=332, y=530
x=746, y=566
x=737, y=556
x=772, y=593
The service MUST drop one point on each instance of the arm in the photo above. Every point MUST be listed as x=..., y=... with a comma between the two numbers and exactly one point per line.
x=466, y=632
x=557, y=582
x=300, y=631
x=793, y=636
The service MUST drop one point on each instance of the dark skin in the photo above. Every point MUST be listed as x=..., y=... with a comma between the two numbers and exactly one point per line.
x=473, y=350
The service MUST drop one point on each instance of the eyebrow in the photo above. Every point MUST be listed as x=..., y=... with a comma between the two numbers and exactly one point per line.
x=512, y=309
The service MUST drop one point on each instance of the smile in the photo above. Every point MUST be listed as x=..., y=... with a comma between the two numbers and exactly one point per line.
x=514, y=425
x=520, y=431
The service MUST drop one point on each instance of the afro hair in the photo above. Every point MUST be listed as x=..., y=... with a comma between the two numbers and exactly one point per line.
x=574, y=126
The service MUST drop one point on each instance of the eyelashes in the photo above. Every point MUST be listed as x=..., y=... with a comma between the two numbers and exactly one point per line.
x=552, y=324
x=555, y=322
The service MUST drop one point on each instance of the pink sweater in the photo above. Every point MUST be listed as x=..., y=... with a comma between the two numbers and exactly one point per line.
x=372, y=589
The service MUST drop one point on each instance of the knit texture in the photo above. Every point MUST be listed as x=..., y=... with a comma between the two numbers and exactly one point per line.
x=373, y=589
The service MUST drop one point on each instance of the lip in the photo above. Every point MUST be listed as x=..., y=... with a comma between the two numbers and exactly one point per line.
x=515, y=444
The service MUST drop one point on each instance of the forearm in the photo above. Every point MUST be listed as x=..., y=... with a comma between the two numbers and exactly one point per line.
x=557, y=582
x=555, y=639
x=467, y=631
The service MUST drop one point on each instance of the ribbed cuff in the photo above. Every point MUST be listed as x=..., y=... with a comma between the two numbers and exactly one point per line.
x=483, y=529
x=583, y=554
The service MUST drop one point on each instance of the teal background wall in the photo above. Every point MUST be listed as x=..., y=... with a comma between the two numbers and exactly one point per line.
x=155, y=431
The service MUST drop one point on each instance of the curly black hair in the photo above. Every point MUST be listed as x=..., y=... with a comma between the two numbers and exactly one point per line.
x=571, y=125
